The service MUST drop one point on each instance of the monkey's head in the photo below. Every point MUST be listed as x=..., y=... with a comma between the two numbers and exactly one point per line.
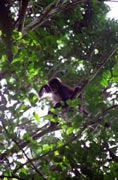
x=55, y=84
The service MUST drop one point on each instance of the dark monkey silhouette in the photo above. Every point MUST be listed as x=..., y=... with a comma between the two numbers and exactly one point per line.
x=59, y=91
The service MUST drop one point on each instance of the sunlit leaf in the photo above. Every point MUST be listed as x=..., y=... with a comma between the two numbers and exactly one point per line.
x=36, y=116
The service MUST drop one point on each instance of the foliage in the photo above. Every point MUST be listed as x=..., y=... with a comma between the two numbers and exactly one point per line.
x=76, y=42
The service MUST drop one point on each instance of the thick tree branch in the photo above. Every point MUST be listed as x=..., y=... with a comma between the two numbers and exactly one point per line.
x=22, y=14
x=87, y=16
x=6, y=25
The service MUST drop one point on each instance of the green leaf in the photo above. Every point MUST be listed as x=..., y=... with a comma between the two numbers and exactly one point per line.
x=17, y=35
x=26, y=137
x=15, y=49
x=47, y=147
x=0, y=33
x=115, y=79
x=115, y=70
x=69, y=131
x=107, y=74
x=36, y=116
x=104, y=82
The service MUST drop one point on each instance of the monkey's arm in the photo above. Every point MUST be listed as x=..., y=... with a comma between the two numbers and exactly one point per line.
x=44, y=89
x=76, y=90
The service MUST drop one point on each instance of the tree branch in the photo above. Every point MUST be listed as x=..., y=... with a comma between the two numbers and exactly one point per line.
x=97, y=70
x=54, y=8
x=6, y=25
x=22, y=14
x=23, y=144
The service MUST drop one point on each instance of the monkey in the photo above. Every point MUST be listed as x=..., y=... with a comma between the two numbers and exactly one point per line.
x=60, y=92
